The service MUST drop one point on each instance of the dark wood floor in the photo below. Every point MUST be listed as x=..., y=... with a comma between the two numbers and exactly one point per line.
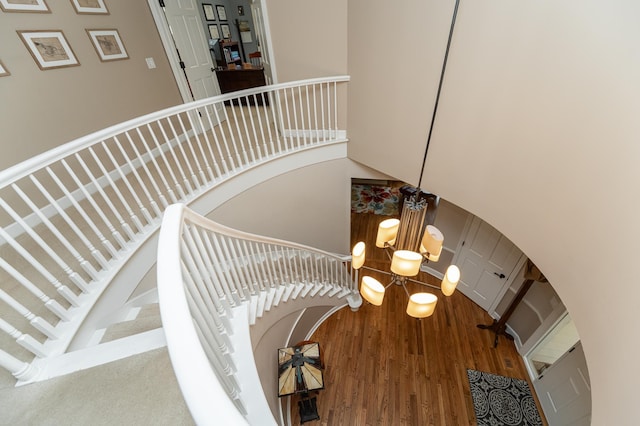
x=386, y=368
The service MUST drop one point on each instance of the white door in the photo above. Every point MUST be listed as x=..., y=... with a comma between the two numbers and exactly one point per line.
x=187, y=30
x=488, y=262
x=261, y=25
x=564, y=390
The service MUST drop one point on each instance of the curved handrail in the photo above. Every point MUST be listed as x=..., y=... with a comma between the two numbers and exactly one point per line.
x=97, y=199
x=47, y=158
x=205, y=270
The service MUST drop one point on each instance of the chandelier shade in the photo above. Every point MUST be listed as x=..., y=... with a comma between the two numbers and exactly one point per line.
x=432, y=241
x=409, y=242
x=372, y=290
x=387, y=232
x=357, y=255
x=406, y=263
x=422, y=305
x=450, y=280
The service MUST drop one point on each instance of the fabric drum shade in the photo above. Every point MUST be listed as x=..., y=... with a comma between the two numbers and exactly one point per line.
x=406, y=263
x=421, y=305
x=387, y=231
x=372, y=290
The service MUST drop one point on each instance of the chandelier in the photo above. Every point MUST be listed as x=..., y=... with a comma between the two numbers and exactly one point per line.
x=409, y=243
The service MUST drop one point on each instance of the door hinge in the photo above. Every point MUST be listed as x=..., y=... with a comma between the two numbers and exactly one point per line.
x=161, y=3
x=182, y=65
x=463, y=243
x=572, y=349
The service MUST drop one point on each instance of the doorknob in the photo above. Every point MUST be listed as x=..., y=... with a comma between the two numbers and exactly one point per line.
x=501, y=276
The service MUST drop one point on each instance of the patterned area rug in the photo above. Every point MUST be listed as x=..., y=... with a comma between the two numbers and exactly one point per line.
x=382, y=200
x=500, y=400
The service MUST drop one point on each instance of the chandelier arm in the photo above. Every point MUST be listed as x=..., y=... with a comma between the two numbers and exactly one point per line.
x=405, y=288
x=423, y=283
x=376, y=270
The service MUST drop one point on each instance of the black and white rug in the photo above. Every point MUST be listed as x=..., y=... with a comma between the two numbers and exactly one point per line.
x=500, y=400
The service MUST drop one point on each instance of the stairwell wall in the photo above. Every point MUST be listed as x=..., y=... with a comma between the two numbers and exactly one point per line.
x=44, y=109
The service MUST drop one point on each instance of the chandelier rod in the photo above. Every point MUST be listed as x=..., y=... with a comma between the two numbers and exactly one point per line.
x=435, y=107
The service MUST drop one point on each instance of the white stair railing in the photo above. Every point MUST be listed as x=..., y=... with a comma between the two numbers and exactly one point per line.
x=206, y=272
x=72, y=217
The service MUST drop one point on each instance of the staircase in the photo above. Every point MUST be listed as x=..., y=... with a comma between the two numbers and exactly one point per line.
x=80, y=223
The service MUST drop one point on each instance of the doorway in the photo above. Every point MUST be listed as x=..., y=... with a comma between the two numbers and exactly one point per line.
x=181, y=27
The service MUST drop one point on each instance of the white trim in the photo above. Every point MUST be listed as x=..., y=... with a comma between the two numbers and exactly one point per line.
x=170, y=49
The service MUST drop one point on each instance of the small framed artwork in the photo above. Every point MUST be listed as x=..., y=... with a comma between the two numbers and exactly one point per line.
x=226, y=30
x=222, y=13
x=3, y=70
x=108, y=45
x=49, y=49
x=209, y=14
x=24, y=6
x=90, y=7
x=214, y=33
x=241, y=10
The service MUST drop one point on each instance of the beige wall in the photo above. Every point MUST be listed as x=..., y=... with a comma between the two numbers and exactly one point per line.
x=309, y=38
x=395, y=59
x=40, y=110
x=320, y=194
x=537, y=134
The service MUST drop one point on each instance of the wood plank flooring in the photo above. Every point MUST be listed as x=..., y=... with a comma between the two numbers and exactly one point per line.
x=386, y=368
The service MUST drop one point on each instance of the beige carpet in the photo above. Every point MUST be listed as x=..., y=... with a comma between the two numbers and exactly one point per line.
x=140, y=390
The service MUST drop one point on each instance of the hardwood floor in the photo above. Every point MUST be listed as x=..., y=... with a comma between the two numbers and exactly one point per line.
x=386, y=368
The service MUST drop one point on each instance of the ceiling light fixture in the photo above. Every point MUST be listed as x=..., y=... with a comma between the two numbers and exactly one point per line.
x=409, y=242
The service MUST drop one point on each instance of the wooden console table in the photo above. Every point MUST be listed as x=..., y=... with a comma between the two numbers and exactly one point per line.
x=239, y=79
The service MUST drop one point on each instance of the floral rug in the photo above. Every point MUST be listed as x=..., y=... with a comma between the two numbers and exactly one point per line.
x=382, y=200
x=500, y=400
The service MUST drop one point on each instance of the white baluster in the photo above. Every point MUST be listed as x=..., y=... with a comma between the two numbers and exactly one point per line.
x=52, y=253
x=143, y=163
x=169, y=143
x=125, y=180
x=37, y=322
x=107, y=200
x=161, y=148
x=180, y=145
x=86, y=265
x=24, y=340
x=193, y=157
x=20, y=370
x=106, y=175
x=49, y=303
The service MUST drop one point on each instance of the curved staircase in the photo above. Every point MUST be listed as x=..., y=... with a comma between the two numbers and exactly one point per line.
x=80, y=223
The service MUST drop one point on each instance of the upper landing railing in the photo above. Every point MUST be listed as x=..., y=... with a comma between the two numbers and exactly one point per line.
x=72, y=217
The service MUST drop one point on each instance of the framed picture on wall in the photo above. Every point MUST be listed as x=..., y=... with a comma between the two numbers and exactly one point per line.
x=214, y=33
x=24, y=6
x=222, y=13
x=3, y=70
x=226, y=30
x=108, y=45
x=49, y=49
x=90, y=7
x=209, y=13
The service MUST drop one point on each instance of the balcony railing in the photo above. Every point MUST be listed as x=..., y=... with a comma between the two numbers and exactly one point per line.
x=71, y=218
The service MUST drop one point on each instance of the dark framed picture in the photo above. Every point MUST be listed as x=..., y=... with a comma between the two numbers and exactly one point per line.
x=108, y=45
x=222, y=12
x=225, y=30
x=24, y=6
x=49, y=49
x=209, y=13
x=241, y=10
x=214, y=33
